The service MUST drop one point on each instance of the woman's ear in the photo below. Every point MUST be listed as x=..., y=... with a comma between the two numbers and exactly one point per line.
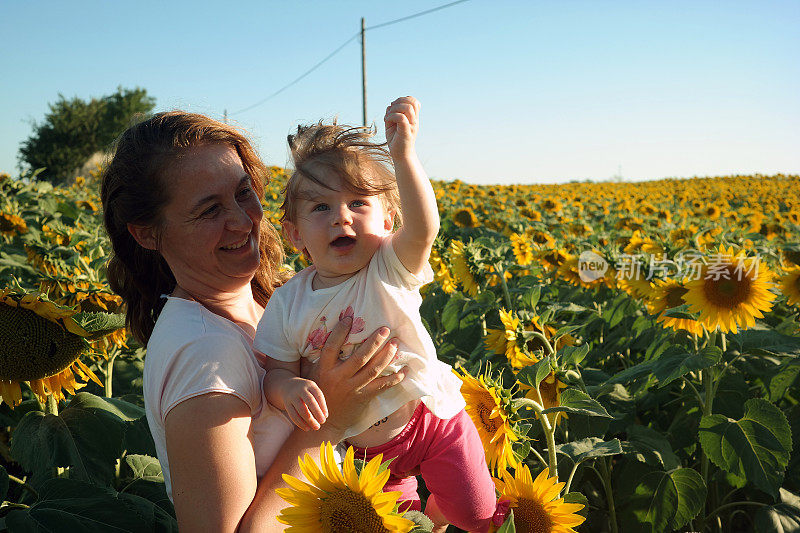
x=144, y=235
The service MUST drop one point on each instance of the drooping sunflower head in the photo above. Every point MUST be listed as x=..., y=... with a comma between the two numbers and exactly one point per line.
x=733, y=290
x=490, y=414
x=40, y=343
x=537, y=507
x=665, y=294
x=340, y=500
x=465, y=218
x=523, y=250
x=461, y=267
x=790, y=286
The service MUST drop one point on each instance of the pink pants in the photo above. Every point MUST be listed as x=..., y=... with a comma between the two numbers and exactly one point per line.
x=449, y=456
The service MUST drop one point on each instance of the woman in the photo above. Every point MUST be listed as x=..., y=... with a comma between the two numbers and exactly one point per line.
x=195, y=264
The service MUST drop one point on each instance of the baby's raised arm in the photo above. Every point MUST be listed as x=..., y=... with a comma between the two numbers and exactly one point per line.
x=412, y=242
x=301, y=398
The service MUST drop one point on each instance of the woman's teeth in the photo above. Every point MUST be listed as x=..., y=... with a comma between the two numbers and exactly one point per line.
x=236, y=246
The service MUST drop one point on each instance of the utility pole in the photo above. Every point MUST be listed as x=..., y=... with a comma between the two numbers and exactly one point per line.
x=363, y=74
x=225, y=116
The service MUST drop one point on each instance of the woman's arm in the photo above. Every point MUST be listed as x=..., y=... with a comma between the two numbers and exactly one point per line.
x=211, y=458
x=348, y=386
x=211, y=462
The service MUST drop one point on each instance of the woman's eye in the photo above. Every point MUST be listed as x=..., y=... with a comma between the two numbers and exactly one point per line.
x=244, y=193
x=210, y=211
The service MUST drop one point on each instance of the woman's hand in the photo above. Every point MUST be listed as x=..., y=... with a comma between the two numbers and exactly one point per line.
x=349, y=385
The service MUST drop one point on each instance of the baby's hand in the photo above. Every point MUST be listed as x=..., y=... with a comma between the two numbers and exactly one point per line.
x=402, y=124
x=304, y=403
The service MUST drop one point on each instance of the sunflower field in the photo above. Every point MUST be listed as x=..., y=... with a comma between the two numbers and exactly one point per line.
x=630, y=355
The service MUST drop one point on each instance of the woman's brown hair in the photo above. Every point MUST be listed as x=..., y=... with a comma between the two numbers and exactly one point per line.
x=135, y=190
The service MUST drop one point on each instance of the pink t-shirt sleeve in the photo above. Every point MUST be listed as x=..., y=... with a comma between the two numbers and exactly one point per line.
x=211, y=363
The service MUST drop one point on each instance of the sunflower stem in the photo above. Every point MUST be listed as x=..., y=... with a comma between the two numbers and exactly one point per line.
x=549, y=431
x=708, y=383
x=612, y=511
x=24, y=485
x=109, y=373
x=540, y=336
x=502, y=273
x=51, y=405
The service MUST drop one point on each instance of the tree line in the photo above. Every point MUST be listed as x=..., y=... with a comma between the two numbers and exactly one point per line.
x=75, y=129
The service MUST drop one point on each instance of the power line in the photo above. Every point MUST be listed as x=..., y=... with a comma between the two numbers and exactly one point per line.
x=306, y=73
x=348, y=41
x=381, y=25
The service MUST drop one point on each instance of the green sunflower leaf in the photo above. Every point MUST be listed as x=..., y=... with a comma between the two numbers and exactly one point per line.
x=668, y=500
x=755, y=447
x=100, y=324
x=72, y=505
x=578, y=402
x=589, y=448
x=783, y=517
x=673, y=364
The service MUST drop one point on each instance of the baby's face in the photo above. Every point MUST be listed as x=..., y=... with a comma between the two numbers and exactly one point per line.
x=340, y=230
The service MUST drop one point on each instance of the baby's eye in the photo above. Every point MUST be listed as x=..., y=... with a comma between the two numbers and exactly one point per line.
x=320, y=207
x=358, y=203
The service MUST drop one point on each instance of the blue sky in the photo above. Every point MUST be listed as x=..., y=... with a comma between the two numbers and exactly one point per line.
x=512, y=91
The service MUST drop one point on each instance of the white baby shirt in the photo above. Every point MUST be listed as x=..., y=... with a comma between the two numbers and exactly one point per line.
x=193, y=351
x=297, y=320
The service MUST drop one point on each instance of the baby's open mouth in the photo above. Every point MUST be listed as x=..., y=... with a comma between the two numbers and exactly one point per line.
x=341, y=242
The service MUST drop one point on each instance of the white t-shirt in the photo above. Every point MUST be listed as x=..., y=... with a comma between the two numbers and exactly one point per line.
x=193, y=351
x=297, y=320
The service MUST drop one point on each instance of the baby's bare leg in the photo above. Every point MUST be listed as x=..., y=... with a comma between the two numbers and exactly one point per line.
x=440, y=523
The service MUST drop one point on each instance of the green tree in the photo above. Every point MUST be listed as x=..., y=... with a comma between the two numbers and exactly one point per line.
x=74, y=129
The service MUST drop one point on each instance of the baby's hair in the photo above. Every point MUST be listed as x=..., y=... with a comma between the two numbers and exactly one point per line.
x=363, y=166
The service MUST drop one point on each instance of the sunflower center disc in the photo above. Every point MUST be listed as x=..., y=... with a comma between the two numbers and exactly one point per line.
x=675, y=296
x=350, y=512
x=32, y=347
x=728, y=293
x=489, y=424
x=530, y=516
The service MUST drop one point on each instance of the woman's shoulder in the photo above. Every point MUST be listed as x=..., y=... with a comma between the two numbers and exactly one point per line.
x=183, y=322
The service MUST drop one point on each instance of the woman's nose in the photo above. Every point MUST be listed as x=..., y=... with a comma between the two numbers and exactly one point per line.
x=238, y=219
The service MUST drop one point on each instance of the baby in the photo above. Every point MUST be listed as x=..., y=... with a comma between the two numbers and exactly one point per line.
x=341, y=206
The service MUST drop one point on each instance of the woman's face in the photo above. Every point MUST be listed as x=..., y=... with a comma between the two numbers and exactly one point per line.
x=210, y=237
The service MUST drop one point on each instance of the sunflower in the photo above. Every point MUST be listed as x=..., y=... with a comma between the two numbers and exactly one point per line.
x=465, y=218
x=552, y=205
x=523, y=251
x=537, y=507
x=40, y=343
x=541, y=239
x=634, y=283
x=790, y=286
x=547, y=395
x=458, y=262
x=732, y=291
x=11, y=224
x=552, y=259
x=336, y=500
x=666, y=294
x=441, y=274
x=490, y=418
x=504, y=341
